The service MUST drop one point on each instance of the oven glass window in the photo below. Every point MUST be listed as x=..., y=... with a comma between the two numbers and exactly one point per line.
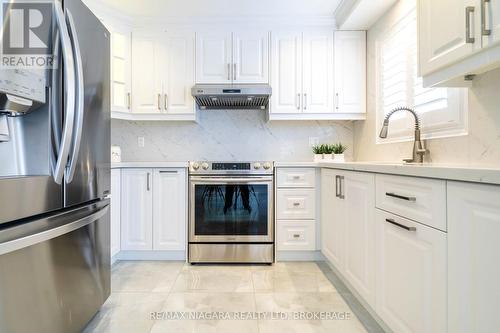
x=235, y=209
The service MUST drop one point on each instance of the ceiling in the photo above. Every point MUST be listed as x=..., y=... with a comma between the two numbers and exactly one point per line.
x=223, y=8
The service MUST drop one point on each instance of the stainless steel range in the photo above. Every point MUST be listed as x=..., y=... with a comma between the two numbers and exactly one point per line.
x=231, y=213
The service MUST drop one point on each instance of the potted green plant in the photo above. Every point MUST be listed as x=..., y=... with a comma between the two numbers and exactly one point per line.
x=338, y=152
x=323, y=153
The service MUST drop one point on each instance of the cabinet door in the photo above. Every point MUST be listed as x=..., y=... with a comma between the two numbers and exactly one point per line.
x=317, y=70
x=213, y=57
x=136, y=210
x=350, y=71
x=359, y=196
x=474, y=254
x=286, y=78
x=121, y=67
x=492, y=14
x=411, y=275
x=179, y=73
x=251, y=57
x=442, y=38
x=147, y=74
x=115, y=211
x=169, y=209
x=332, y=219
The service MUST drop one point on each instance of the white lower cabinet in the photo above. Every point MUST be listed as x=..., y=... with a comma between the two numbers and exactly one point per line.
x=153, y=210
x=115, y=213
x=348, y=227
x=473, y=257
x=411, y=275
x=296, y=235
x=136, y=210
x=169, y=209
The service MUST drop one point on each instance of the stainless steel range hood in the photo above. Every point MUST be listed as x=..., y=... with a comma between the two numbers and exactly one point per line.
x=236, y=97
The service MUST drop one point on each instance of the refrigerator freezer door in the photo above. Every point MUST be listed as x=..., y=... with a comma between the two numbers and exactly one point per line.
x=91, y=179
x=55, y=272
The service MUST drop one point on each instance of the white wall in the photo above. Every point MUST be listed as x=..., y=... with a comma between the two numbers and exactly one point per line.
x=480, y=147
x=226, y=135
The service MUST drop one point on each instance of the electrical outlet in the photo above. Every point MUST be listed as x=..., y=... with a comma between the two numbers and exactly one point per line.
x=140, y=141
x=313, y=141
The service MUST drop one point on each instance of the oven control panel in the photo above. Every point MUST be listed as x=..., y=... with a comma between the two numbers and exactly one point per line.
x=205, y=167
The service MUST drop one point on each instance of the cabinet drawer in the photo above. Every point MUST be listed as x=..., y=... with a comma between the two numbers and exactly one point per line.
x=296, y=235
x=296, y=177
x=419, y=199
x=295, y=204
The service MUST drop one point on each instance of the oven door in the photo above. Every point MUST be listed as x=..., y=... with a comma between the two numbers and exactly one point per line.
x=231, y=209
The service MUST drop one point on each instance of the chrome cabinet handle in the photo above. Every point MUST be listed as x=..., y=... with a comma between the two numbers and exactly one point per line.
x=159, y=101
x=165, y=102
x=168, y=171
x=337, y=183
x=70, y=97
x=337, y=101
x=468, y=11
x=402, y=197
x=296, y=236
x=234, y=71
x=391, y=221
x=229, y=72
x=484, y=31
x=297, y=101
x=148, y=186
x=341, y=187
x=296, y=204
x=80, y=91
x=305, y=102
x=128, y=101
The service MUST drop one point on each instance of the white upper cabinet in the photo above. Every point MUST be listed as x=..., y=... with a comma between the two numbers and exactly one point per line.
x=147, y=69
x=169, y=209
x=317, y=73
x=213, y=57
x=286, y=79
x=239, y=57
x=179, y=73
x=492, y=22
x=350, y=72
x=443, y=38
x=121, y=67
x=251, y=57
x=474, y=254
x=461, y=43
x=163, y=74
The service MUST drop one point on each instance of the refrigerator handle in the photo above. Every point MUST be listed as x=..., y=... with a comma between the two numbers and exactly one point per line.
x=55, y=119
x=77, y=136
x=69, y=87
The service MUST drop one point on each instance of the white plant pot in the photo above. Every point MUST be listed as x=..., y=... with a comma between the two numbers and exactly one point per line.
x=323, y=157
x=339, y=158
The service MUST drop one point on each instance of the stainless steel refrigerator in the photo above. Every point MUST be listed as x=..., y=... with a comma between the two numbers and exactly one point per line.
x=55, y=181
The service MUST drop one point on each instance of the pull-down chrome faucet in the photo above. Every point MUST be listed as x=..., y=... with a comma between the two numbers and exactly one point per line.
x=418, y=145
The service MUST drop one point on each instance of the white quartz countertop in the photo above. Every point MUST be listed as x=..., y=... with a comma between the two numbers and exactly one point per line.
x=467, y=173
x=119, y=165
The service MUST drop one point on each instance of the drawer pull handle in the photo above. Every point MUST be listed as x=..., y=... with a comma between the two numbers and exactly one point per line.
x=296, y=204
x=391, y=221
x=296, y=236
x=296, y=177
x=402, y=197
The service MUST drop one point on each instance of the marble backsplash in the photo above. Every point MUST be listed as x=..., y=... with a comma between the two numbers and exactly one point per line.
x=227, y=135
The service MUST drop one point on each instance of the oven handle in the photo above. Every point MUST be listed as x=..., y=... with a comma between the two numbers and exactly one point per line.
x=230, y=180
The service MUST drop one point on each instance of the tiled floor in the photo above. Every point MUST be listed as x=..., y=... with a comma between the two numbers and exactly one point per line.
x=140, y=288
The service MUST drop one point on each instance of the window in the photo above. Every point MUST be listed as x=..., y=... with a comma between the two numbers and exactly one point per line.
x=443, y=111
